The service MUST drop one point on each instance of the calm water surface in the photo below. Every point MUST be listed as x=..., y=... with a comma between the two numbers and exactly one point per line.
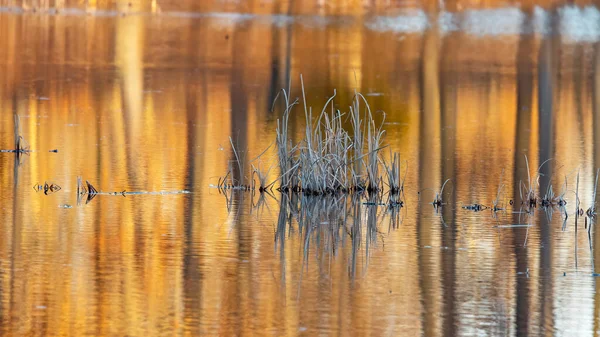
x=148, y=103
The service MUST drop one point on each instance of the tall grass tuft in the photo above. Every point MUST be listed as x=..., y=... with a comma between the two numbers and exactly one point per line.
x=332, y=156
x=395, y=182
x=331, y=159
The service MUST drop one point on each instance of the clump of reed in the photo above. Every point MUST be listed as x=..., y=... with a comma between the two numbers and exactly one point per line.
x=260, y=175
x=551, y=199
x=531, y=198
x=392, y=173
x=527, y=192
x=323, y=155
x=331, y=159
x=529, y=195
x=338, y=153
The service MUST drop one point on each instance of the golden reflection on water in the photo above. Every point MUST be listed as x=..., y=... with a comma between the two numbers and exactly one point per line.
x=149, y=103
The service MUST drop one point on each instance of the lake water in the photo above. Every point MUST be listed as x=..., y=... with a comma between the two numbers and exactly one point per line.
x=149, y=103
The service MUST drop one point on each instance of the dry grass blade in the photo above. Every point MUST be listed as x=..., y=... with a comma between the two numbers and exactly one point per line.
x=394, y=181
x=530, y=197
x=438, y=200
x=240, y=164
x=496, y=203
x=81, y=189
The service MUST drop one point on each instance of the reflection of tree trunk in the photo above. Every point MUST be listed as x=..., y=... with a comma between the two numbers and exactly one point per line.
x=16, y=230
x=524, y=112
x=546, y=79
x=596, y=105
x=281, y=50
x=239, y=134
x=129, y=51
x=100, y=260
x=129, y=54
x=192, y=274
x=239, y=101
x=282, y=222
x=545, y=115
x=448, y=141
x=596, y=131
x=579, y=81
x=129, y=57
x=12, y=235
x=428, y=163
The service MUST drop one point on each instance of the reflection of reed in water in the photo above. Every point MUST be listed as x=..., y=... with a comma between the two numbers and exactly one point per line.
x=326, y=224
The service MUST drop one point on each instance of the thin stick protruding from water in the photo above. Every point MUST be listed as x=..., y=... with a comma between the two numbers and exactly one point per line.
x=591, y=212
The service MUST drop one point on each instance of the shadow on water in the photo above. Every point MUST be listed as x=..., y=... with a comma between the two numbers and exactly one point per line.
x=547, y=66
x=596, y=142
x=524, y=104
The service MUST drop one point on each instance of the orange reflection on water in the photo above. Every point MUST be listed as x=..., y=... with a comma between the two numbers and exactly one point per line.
x=149, y=104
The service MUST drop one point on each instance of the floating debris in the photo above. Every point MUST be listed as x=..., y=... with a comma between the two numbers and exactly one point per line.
x=82, y=191
x=513, y=226
x=475, y=207
x=372, y=203
x=394, y=203
x=54, y=151
x=65, y=206
x=91, y=189
x=47, y=188
x=90, y=192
